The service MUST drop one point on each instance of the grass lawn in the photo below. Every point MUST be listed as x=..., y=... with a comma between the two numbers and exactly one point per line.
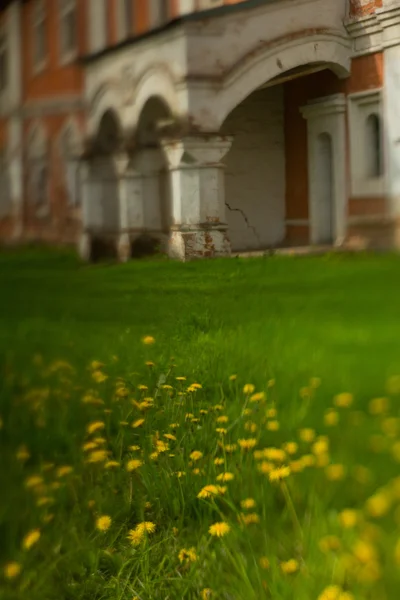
x=277, y=324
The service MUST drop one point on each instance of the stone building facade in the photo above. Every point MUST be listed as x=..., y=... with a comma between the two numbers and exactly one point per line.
x=200, y=127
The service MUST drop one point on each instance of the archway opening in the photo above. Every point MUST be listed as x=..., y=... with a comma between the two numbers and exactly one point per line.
x=150, y=163
x=373, y=147
x=102, y=211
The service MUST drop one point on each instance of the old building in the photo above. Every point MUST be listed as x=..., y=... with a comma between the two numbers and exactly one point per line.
x=200, y=126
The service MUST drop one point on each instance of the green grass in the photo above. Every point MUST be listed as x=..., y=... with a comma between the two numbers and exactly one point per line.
x=283, y=319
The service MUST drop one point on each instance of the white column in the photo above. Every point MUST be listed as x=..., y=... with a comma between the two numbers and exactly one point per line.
x=199, y=227
x=148, y=163
x=326, y=116
x=85, y=240
x=389, y=18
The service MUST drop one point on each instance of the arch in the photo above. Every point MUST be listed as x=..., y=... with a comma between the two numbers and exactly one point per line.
x=373, y=146
x=106, y=97
x=154, y=110
x=70, y=138
x=259, y=67
x=109, y=132
x=157, y=82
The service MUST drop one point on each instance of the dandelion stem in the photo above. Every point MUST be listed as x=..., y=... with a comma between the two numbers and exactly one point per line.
x=291, y=508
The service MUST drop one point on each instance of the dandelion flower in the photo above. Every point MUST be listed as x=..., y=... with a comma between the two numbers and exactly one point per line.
x=290, y=566
x=133, y=448
x=273, y=425
x=219, y=529
x=331, y=418
x=218, y=461
x=279, y=474
x=103, y=523
x=137, y=423
x=98, y=456
x=378, y=406
x=148, y=340
x=30, y=539
x=257, y=397
x=348, y=518
x=230, y=448
x=343, y=400
x=44, y=501
x=136, y=535
x=221, y=430
x=187, y=556
x=99, y=376
x=22, y=453
x=249, y=519
x=271, y=413
x=307, y=435
x=329, y=543
x=95, y=426
x=95, y=365
x=12, y=570
x=64, y=470
x=33, y=481
x=264, y=562
x=335, y=472
x=247, y=444
x=208, y=491
x=248, y=388
x=149, y=363
x=232, y=377
x=224, y=477
x=206, y=594
x=196, y=455
x=378, y=504
x=222, y=419
x=111, y=464
x=169, y=436
x=248, y=503
x=89, y=446
x=197, y=386
x=133, y=464
x=332, y=592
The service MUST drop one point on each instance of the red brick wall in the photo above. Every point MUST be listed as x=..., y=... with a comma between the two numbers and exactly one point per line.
x=360, y=8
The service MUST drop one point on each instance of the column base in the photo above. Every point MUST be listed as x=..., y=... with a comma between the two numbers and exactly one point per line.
x=85, y=247
x=196, y=244
x=124, y=247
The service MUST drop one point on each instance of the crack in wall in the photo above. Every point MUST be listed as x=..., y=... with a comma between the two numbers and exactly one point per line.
x=254, y=230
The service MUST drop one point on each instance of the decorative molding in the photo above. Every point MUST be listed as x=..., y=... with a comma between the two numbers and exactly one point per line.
x=54, y=105
x=375, y=32
x=328, y=105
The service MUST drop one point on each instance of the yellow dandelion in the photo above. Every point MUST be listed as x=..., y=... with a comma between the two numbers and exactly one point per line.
x=249, y=519
x=89, y=446
x=98, y=456
x=222, y=419
x=103, y=523
x=219, y=529
x=30, y=539
x=137, y=535
x=148, y=340
x=180, y=378
x=378, y=504
x=274, y=454
x=271, y=413
x=137, y=423
x=225, y=477
x=247, y=412
x=208, y=491
x=44, y=501
x=321, y=446
x=266, y=467
x=99, y=376
x=95, y=426
x=149, y=363
x=332, y=592
x=248, y=503
x=247, y=444
x=187, y=555
x=378, y=406
x=161, y=446
x=12, y=570
x=258, y=397
x=264, y=563
x=218, y=461
x=250, y=426
x=95, y=365
x=91, y=503
x=279, y=474
x=291, y=447
x=133, y=464
x=196, y=455
x=232, y=377
x=349, y=518
x=273, y=425
x=230, y=448
x=111, y=464
x=248, y=388
x=335, y=472
x=33, y=481
x=329, y=543
x=180, y=474
x=307, y=435
x=206, y=594
x=290, y=566
x=393, y=384
x=64, y=470
x=296, y=466
x=133, y=448
x=22, y=453
x=343, y=400
x=221, y=430
x=331, y=418
x=169, y=436
x=154, y=455
x=218, y=407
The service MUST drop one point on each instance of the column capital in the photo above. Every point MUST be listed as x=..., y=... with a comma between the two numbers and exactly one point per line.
x=200, y=150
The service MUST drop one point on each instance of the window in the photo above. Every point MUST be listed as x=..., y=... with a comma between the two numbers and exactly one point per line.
x=97, y=22
x=373, y=147
x=126, y=18
x=38, y=171
x=159, y=12
x=39, y=35
x=3, y=62
x=366, y=144
x=68, y=28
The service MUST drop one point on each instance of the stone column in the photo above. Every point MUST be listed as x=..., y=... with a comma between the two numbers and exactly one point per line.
x=199, y=227
x=85, y=239
x=147, y=165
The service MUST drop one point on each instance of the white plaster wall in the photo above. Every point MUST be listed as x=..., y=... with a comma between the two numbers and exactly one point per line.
x=255, y=171
x=391, y=123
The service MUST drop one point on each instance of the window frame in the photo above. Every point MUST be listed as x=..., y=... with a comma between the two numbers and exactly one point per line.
x=65, y=8
x=158, y=13
x=39, y=18
x=125, y=29
x=361, y=106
